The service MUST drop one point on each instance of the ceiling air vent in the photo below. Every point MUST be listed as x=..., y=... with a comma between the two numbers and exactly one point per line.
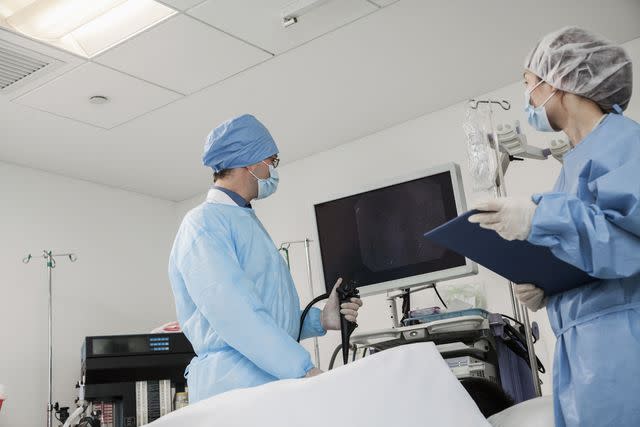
x=18, y=65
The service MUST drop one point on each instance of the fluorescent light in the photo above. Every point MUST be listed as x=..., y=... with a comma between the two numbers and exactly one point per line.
x=85, y=27
x=9, y=7
x=129, y=18
x=53, y=19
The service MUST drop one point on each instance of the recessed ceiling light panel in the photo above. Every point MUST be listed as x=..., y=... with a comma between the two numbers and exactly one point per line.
x=84, y=27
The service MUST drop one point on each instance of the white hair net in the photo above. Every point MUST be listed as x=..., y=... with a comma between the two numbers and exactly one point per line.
x=577, y=61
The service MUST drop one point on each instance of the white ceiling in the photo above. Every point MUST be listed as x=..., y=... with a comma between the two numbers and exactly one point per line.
x=67, y=96
x=183, y=55
x=263, y=26
x=181, y=4
x=346, y=70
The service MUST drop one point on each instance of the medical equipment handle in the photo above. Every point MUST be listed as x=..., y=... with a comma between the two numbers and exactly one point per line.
x=346, y=291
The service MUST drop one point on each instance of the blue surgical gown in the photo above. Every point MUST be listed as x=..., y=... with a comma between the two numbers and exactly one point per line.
x=236, y=302
x=592, y=221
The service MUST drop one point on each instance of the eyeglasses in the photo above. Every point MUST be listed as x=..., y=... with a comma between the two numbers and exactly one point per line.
x=272, y=161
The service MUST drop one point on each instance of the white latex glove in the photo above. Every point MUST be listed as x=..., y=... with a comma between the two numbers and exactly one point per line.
x=168, y=328
x=330, y=318
x=510, y=217
x=3, y=397
x=314, y=372
x=531, y=297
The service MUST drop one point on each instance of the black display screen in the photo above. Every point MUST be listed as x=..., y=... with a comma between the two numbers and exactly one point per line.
x=119, y=345
x=377, y=236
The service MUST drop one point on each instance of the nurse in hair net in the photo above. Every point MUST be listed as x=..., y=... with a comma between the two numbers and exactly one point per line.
x=579, y=83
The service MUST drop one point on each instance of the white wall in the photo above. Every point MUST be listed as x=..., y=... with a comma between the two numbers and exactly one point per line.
x=419, y=144
x=118, y=285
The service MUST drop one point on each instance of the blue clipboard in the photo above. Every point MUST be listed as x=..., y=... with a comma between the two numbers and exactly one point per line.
x=518, y=261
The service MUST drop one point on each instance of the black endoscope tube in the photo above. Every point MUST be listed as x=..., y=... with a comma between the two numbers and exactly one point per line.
x=306, y=311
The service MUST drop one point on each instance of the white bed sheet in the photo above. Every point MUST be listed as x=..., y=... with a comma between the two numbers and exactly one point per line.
x=409, y=385
x=536, y=412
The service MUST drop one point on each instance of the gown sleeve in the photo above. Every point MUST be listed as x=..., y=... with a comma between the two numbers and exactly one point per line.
x=312, y=326
x=599, y=231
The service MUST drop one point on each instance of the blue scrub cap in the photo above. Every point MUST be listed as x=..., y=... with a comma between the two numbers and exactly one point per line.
x=236, y=143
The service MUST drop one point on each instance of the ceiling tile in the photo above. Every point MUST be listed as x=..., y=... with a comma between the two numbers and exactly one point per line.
x=68, y=96
x=262, y=26
x=383, y=3
x=181, y=4
x=183, y=54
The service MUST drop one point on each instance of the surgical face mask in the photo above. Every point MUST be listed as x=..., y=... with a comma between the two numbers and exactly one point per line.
x=266, y=187
x=537, y=116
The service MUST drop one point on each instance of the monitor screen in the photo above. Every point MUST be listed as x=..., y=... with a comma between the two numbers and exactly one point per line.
x=119, y=345
x=376, y=236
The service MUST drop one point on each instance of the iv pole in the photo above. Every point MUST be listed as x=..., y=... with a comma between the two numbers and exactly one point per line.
x=285, y=248
x=50, y=258
x=500, y=188
x=520, y=312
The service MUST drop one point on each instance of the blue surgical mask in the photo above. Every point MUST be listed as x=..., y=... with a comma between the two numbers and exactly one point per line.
x=266, y=187
x=537, y=116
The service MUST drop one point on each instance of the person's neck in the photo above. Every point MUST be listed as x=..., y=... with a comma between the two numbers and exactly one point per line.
x=236, y=187
x=581, y=122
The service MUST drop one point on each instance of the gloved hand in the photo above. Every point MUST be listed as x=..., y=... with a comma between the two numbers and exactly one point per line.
x=2, y=395
x=314, y=372
x=168, y=328
x=531, y=297
x=510, y=217
x=330, y=318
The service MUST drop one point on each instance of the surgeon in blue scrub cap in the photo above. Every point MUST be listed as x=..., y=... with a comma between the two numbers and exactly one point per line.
x=235, y=298
x=579, y=83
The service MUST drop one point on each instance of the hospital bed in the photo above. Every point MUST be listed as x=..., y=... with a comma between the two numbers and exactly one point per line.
x=408, y=385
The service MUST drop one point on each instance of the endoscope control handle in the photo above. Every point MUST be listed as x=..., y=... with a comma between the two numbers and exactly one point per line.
x=346, y=291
